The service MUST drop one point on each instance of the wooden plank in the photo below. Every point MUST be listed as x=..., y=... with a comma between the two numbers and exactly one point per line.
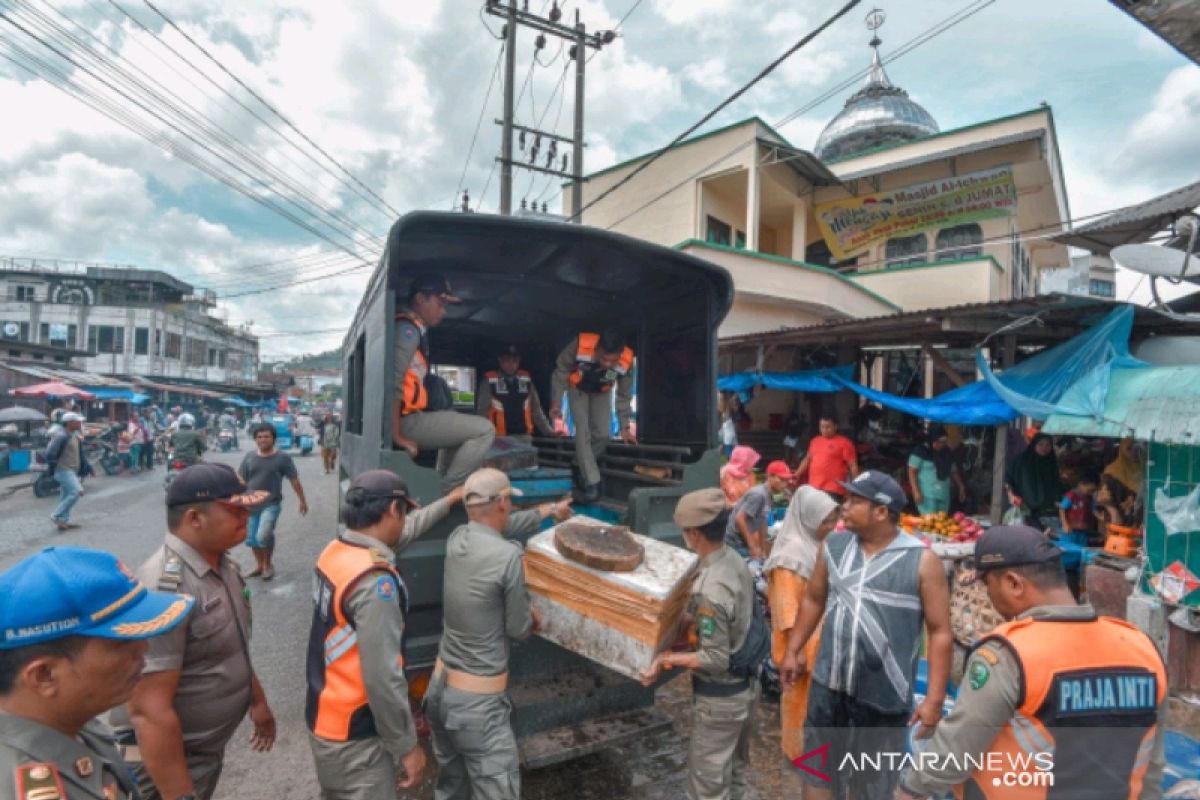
x=943, y=366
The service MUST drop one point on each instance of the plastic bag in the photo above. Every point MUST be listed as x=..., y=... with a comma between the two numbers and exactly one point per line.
x=1014, y=516
x=1178, y=514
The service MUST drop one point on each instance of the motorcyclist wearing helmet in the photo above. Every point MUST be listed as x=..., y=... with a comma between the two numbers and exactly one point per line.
x=188, y=443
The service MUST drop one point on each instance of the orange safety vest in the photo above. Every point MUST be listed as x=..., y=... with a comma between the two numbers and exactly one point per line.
x=509, y=408
x=336, y=707
x=1086, y=719
x=415, y=398
x=588, y=377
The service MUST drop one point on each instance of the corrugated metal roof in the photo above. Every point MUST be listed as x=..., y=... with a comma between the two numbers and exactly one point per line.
x=1136, y=223
x=1160, y=404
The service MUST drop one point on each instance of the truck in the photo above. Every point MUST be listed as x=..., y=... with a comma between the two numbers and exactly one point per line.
x=538, y=284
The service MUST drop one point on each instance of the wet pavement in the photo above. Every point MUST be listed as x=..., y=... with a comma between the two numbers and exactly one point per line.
x=125, y=515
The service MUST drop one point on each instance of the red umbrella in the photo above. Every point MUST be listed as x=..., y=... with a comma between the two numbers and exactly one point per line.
x=52, y=389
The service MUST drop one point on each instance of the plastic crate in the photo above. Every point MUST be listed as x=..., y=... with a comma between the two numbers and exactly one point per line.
x=541, y=484
x=19, y=460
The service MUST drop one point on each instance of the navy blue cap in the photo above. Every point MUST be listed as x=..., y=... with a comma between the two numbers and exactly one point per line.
x=73, y=591
x=878, y=487
x=1013, y=546
x=435, y=284
x=207, y=482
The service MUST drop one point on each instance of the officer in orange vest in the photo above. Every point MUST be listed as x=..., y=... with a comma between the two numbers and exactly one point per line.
x=418, y=420
x=587, y=370
x=1058, y=702
x=509, y=400
x=357, y=706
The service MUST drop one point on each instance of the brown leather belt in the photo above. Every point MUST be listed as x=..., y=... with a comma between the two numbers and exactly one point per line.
x=466, y=682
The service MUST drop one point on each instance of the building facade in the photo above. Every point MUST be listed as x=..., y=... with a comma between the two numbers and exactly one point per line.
x=130, y=322
x=889, y=214
x=1089, y=275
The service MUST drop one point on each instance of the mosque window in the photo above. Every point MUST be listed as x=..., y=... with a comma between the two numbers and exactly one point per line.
x=961, y=241
x=903, y=250
x=819, y=253
x=718, y=232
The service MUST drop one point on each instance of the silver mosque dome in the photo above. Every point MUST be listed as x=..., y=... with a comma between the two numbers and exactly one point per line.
x=878, y=114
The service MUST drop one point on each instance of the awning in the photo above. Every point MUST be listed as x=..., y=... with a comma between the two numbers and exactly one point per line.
x=1155, y=404
x=1134, y=224
x=239, y=402
x=809, y=380
x=118, y=395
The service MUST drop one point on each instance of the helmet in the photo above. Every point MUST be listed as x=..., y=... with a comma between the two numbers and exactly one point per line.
x=71, y=416
x=187, y=421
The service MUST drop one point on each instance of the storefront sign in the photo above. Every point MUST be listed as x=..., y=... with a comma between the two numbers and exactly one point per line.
x=854, y=224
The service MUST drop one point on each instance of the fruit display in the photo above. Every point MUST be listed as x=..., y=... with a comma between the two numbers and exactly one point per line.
x=957, y=527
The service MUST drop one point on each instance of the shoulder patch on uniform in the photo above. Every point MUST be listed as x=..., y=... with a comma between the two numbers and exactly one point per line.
x=39, y=781
x=172, y=574
x=409, y=331
x=978, y=673
x=706, y=624
x=989, y=655
x=385, y=587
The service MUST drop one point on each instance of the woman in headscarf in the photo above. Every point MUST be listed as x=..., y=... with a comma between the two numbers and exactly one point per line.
x=811, y=515
x=1127, y=467
x=737, y=477
x=1034, y=479
x=931, y=470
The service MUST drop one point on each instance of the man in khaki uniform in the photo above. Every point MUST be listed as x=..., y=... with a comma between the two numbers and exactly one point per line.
x=65, y=658
x=461, y=439
x=588, y=369
x=485, y=603
x=198, y=682
x=508, y=399
x=724, y=691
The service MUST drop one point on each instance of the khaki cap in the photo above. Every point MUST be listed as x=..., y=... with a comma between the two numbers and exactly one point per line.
x=697, y=509
x=486, y=485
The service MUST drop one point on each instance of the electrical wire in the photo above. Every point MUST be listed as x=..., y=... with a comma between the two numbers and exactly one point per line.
x=478, y=124
x=279, y=114
x=577, y=213
x=921, y=39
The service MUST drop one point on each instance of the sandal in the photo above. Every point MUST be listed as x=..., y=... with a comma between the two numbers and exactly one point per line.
x=268, y=573
x=254, y=573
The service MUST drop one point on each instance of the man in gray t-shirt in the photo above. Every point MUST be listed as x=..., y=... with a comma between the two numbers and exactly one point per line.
x=265, y=470
x=746, y=531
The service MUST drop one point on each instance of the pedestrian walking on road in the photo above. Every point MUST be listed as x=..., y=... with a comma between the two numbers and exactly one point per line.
x=357, y=706
x=875, y=587
x=66, y=462
x=198, y=682
x=331, y=438
x=265, y=470
x=67, y=657
x=733, y=641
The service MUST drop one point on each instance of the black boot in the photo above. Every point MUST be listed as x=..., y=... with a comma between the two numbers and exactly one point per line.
x=588, y=494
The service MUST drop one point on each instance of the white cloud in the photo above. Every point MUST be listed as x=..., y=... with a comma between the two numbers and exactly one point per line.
x=1166, y=135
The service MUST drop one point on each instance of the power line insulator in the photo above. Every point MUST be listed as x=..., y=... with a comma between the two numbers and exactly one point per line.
x=555, y=12
x=540, y=42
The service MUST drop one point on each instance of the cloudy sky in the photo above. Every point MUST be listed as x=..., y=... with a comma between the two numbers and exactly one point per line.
x=392, y=92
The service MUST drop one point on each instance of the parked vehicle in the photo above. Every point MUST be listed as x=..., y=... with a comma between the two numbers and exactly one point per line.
x=285, y=427
x=539, y=284
x=305, y=444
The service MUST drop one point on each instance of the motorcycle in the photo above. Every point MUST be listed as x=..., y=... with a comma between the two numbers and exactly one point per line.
x=45, y=485
x=102, y=450
x=306, y=444
x=174, y=467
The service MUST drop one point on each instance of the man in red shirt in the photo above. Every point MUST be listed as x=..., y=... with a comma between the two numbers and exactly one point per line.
x=830, y=460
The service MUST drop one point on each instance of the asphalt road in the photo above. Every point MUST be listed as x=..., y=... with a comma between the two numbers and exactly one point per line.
x=125, y=515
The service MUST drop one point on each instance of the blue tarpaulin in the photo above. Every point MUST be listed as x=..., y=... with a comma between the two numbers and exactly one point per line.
x=1071, y=378
x=808, y=380
x=118, y=395
x=234, y=400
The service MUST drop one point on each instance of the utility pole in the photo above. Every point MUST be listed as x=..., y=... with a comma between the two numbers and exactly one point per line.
x=580, y=41
x=580, y=55
x=510, y=72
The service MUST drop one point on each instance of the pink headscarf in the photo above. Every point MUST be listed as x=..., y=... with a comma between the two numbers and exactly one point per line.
x=741, y=462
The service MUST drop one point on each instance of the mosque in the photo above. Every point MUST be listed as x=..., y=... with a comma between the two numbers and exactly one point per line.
x=886, y=213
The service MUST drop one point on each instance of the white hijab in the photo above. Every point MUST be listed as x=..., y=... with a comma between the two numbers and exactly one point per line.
x=796, y=546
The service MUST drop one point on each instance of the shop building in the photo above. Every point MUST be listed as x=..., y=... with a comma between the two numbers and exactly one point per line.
x=130, y=322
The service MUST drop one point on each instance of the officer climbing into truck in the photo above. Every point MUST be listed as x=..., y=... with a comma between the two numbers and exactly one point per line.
x=419, y=419
x=586, y=371
x=509, y=400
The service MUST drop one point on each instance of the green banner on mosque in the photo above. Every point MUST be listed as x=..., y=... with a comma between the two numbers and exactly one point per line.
x=853, y=224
